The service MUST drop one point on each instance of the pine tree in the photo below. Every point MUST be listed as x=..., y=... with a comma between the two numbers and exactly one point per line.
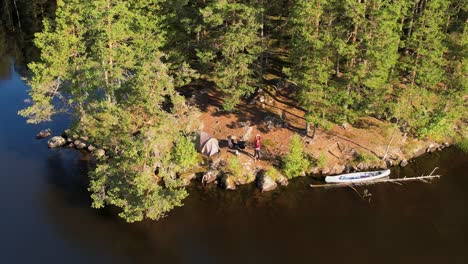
x=425, y=46
x=102, y=61
x=382, y=39
x=311, y=58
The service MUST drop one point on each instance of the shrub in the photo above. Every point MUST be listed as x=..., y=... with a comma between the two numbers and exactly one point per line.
x=296, y=162
x=366, y=159
x=322, y=160
x=234, y=166
x=184, y=153
x=273, y=173
x=462, y=145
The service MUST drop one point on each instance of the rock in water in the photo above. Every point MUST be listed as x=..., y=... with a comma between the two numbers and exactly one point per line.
x=266, y=184
x=403, y=163
x=44, y=133
x=209, y=177
x=282, y=180
x=56, y=142
x=79, y=144
x=227, y=182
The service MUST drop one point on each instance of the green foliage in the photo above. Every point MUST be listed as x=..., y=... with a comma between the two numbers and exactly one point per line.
x=322, y=160
x=273, y=173
x=184, y=153
x=295, y=163
x=366, y=159
x=103, y=63
x=311, y=58
x=115, y=67
x=232, y=47
x=462, y=144
x=234, y=166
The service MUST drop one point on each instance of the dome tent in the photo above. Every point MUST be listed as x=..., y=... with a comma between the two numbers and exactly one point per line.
x=206, y=144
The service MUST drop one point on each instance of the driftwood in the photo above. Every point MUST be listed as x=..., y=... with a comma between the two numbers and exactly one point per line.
x=388, y=146
x=398, y=181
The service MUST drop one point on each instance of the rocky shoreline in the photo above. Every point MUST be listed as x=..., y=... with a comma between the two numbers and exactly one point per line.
x=217, y=171
x=71, y=141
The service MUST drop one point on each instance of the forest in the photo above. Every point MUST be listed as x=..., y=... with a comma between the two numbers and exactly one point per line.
x=119, y=68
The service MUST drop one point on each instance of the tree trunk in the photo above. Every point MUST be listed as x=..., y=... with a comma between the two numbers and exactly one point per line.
x=17, y=15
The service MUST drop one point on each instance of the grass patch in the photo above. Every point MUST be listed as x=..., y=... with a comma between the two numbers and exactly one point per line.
x=368, y=159
x=409, y=148
x=273, y=173
x=462, y=145
x=234, y=167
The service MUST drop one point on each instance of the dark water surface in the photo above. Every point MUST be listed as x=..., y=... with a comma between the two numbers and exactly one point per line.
x=46, y=218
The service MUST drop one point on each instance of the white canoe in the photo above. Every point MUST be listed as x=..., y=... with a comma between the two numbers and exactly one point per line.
x=358, y=176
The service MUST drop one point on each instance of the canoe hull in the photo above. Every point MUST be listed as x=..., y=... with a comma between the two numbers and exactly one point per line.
x=358, y=177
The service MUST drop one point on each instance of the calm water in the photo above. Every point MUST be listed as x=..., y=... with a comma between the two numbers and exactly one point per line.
x=46, y=218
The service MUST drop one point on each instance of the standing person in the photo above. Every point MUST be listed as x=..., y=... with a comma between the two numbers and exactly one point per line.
x=257, y=145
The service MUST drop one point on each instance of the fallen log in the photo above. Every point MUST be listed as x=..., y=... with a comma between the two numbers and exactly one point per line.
x=398, y=181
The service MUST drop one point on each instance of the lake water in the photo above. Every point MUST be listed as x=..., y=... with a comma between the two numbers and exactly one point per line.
x=46, y=215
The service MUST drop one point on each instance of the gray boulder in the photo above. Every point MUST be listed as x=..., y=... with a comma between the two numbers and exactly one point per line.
x=209, y=177
x=266, y=184
x=282, y=180
x=79, y=144
x=99, y=153
x=44, y=133
x=91, y=148
x=403, y=163
x=56, y=142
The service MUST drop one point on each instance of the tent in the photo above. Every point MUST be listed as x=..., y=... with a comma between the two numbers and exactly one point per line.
x=206, y=144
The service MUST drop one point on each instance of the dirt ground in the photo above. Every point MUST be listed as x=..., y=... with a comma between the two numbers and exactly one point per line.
x=273, y=114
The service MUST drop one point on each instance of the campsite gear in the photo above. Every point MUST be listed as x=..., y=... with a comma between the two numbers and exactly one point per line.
x=358, y=176
x=232, y=141
x=206, y=144
x=241, y=145
x=234, y=144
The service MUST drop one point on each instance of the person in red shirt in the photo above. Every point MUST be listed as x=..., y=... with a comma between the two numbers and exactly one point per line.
x=257, y=145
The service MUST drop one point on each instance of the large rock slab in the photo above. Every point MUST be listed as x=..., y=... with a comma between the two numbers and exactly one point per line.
x=266, y=184
x=56, y=142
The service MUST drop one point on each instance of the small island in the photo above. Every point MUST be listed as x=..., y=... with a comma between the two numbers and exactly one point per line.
x=329, y=86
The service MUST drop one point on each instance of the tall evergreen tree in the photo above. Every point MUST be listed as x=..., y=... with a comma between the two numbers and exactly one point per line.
x=311, y=58
x=233, y=46
x=102, y=60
